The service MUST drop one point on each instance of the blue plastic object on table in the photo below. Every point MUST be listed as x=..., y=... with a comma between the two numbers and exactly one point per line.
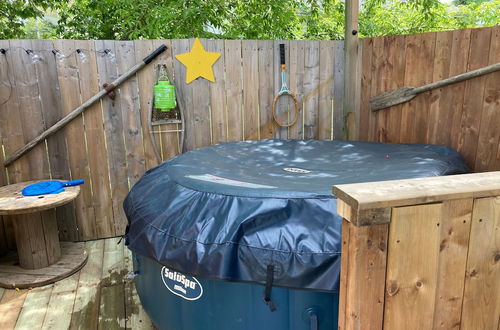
x=49, y=187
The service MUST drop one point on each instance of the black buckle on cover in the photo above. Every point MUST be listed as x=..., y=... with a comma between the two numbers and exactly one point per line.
x=269, y=286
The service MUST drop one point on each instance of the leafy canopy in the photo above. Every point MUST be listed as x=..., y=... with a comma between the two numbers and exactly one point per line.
x=235, y=19
x=15, y=13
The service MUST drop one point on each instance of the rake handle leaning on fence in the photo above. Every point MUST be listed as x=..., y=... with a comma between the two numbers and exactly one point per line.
x=404, y=94
x=73, y=114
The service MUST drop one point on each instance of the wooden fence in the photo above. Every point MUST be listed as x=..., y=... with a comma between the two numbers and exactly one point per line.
x=464, y=116
x=109, y=144
x=421, y=253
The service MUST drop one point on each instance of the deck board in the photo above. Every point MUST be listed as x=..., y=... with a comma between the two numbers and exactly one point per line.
x=99, y=296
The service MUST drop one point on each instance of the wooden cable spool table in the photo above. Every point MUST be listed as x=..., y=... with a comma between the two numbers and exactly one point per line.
x=41, y=259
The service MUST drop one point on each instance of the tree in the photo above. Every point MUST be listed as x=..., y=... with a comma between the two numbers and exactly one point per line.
x=235, y=19
x=14, y=14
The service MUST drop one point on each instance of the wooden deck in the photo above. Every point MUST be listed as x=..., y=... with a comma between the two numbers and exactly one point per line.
x=97, y=297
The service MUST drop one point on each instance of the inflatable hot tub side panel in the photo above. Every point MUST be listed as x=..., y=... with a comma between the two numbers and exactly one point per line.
x=230, y=305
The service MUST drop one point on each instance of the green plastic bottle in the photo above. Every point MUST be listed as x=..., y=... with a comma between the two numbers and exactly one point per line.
x=164, y=96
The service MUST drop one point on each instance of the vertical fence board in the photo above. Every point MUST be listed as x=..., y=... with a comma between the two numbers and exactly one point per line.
x=24, y=73
x=438, y=116
x=250, y=89
x=5, y=93
x=266, y=90
x=11, y=130
x=297, y=85
x=96, y=144
x=145, y=79
x=217, y=96
x=311, y=90
x=489, y=131
x=113, y=127
x=184, y=93
x=425, y=52
x=455, y=93
x=453, y=245
x=7, y=97
x=201, y=110
x=410, y=282
x=366, y=115
x=366, y=272
x=376, y=88
x=67, y=71
x=473, y=97
x=338, y=98
x=481, y=307
x=411, y=79
x=50, y=98
x=326, y=89
x=396, y=56
x=132, y=127
x=232, y=57
x=385, y=65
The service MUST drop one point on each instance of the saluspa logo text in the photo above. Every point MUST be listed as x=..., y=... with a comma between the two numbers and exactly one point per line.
x=186, y=287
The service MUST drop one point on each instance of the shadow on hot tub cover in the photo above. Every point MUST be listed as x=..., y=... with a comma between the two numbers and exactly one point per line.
x=228, y=211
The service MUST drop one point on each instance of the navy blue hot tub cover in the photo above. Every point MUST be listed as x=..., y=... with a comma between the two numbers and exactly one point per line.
x=228, y=211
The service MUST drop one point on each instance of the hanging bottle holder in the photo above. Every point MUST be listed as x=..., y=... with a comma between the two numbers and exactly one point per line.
x=164, y=109
x=164, y=92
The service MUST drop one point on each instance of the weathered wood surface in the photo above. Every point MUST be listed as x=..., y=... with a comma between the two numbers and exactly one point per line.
x=73, y=258
x=109, y=144
x=440, y=270
x=481, y=302
x=100, y=147
x=352, y=62
x=460, y=115
x=37, y=239
x=404, y=94
x=410, y=282
x=385, y=194
x=77, y=302
x=12, y=200
x=364, y=256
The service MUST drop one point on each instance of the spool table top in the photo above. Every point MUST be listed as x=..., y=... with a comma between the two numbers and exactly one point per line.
x=12, y=200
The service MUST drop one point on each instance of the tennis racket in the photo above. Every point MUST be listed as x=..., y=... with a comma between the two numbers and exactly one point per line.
x=285, y=101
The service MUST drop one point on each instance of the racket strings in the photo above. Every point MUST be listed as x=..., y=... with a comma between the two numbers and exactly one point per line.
x=285, y=110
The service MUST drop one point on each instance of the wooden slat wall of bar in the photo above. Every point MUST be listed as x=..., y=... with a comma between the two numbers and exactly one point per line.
x=433, y=264
x=464, y=116
x=109, y=144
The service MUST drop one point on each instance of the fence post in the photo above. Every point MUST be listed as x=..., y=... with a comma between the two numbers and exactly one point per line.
x=352, y=71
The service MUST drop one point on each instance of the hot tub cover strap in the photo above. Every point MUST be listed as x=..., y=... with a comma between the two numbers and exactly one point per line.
x=228, y=211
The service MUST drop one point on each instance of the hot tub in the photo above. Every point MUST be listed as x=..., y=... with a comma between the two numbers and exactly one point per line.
x=245, y=235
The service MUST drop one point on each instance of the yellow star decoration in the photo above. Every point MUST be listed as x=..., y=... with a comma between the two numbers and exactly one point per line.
x=198, y=62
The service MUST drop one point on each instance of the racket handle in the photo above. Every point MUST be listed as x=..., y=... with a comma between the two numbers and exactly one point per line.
x=282, y=53
x=73, y=183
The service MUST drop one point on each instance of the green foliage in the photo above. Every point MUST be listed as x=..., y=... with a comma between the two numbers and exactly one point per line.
x=231, y=19
x=479, y=13
x=234, y=19
x=15, y=14
x=399, y=17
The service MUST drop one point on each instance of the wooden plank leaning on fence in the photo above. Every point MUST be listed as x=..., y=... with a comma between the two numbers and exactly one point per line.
x=421, y=253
